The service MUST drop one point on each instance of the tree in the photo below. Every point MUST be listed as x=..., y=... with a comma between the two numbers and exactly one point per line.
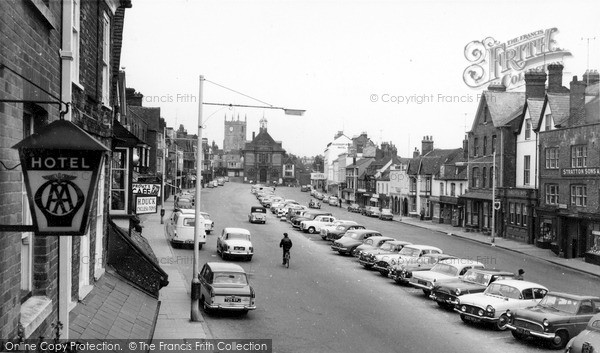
x=318, y=162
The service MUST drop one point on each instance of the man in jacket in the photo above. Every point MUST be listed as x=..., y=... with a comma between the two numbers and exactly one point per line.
x=286, y=244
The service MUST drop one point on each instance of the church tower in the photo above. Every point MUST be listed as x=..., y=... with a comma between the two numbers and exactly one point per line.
x=235, y=134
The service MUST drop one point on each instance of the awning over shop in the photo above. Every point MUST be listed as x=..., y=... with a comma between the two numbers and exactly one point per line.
x=374, y=199
x=477, y=195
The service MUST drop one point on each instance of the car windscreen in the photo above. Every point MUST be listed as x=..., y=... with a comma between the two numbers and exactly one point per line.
x=237, y=236
x=503, y=290
x=189, y=222
x=229, y=278
x=408, y=251
x=352, y=235
x=445, y=269
x=477, y=277
x=388, y=246
x=558, y=303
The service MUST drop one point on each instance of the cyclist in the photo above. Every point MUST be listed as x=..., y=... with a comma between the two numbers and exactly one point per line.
x=286, y=244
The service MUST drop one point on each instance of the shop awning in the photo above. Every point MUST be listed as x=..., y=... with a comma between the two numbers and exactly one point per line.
x=477, y=195
x=374, y=199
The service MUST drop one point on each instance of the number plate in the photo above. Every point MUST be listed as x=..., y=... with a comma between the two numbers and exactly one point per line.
x=239, y=248
x=523, y=331
x=233, y=300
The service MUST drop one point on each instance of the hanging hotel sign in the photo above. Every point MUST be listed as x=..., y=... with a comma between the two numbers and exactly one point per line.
x=60, y=165
x=317, y=176
x=505, y=63
x=580, y=172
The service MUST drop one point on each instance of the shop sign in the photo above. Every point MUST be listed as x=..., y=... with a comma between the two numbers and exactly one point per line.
x=145, y=189
x=145, y=204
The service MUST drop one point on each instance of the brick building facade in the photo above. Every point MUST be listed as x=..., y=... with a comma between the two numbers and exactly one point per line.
x=263, y=157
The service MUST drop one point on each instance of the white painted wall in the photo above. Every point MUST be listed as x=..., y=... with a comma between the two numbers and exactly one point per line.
x=526, y=147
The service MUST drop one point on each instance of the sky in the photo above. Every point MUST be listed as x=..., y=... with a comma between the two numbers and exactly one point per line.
x=393, y=69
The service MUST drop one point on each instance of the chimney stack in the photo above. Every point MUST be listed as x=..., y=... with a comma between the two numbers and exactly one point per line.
x=338, y=134
x=133, y=98
x=590, y=77
x=466, y=148
x=416, y=153
x=253, y=135
x=555, y=72
x=577, y=101
x=535, y=84
x=426, y=144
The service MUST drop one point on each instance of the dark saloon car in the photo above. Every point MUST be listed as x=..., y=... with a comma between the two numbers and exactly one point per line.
x=402, y=273
x=556, y=319
x=339, y=231
x=475, y=280
x=353, y=238
x=354, y=208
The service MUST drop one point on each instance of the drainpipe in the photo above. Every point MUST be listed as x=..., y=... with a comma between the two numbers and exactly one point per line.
x=65, y=243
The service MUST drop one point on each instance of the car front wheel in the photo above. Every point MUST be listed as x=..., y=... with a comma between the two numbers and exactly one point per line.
x=560, y=340
x=311, y=230
x=501, y=323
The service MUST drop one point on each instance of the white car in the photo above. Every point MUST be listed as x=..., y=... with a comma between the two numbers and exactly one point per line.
x=333, y=201
x=502, y=295
x=407, y=254
x=235, y=242
x=443, y=271
x=180, y=228
x=209, y=225
x=315, y=225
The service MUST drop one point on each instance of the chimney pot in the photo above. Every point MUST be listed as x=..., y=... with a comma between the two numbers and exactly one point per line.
x=535, y=84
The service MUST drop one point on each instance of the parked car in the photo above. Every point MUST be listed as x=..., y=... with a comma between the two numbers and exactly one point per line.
x=354, y=208
x=368, y=258
x=333, y=201
x=588, y=340
x=209, y=225
x=308, y=216
x=556, y=319
x=184, y=202
x=386, y=214
x=220, y=181
x=443, y=271
x=402, y=273
x=475, y=280
x=314, y=204
x=304, y=188
x=337, y=230
x=371, y=243
x=353, y=238
x=235, y=242
x=362, y=210
x=408, y=253
x=225, y=286
x=314, y=226
x=180, y=228
x=500, y=296
x=319, y=195
x=215, y=183
x=257, y=215
x=226, y=179
x=372, y=211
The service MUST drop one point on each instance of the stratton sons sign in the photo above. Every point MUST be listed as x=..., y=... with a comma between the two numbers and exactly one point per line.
x=580, y=172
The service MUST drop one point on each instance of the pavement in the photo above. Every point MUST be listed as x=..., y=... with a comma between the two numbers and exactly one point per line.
x=173, y=321
x=577, y=264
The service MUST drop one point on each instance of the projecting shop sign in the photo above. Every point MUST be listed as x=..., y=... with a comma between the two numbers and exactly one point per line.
x=146, y=189
x=145, y=204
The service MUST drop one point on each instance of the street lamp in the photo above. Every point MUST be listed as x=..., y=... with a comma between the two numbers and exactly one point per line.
x=198, y=227
x=495, y=204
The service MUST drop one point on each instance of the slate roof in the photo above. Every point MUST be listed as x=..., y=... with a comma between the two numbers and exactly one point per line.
x=535, y=106
x=263, y=138
x=114, y=309
x=430, y=163
x=559, y=105
x=504, y=106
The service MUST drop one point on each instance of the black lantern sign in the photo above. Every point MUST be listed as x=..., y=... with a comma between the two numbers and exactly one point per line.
x=60, y=165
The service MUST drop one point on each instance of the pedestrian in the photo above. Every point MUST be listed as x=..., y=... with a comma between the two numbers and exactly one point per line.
x=422, y=213
x=520, y=274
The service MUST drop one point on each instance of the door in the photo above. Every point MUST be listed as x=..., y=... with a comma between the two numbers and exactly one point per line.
x=263, y=176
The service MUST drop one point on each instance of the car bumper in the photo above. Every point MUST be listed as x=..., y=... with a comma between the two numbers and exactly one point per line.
x=416, y=283
x=386, y=218
x=398, y=277
x=381, y=268
x=190, y=241
x=366, y=263
x=231, y=308
x=444, y=298
x=239, y=254
x=477, y=318
x=545, y=335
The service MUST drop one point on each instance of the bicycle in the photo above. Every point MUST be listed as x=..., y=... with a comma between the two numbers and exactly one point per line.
x=287, y=259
